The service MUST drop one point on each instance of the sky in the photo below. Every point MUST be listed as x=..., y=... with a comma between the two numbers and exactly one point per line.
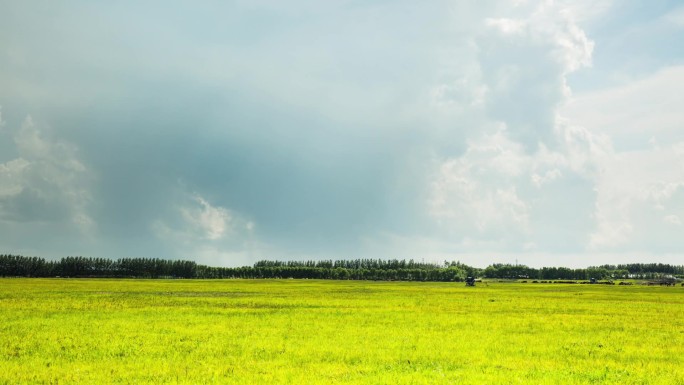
x=546, y=133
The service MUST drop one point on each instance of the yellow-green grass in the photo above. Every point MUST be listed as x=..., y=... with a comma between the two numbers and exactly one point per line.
x=327, y=332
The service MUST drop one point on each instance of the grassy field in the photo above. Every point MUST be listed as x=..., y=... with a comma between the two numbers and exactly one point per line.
x=304, y=332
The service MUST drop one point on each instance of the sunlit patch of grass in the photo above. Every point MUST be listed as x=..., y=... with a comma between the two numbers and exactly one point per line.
x=305, y=332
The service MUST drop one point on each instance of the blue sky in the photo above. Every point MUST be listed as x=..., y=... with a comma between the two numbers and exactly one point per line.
x=548, y=132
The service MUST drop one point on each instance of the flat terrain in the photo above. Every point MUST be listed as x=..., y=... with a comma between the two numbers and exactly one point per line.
x=304, y=332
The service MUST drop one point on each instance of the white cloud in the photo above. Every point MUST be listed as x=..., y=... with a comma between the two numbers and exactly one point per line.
x=524, y=59
x=673, y=220
x=510, y=189
x=638, y=196
x=11, y=172
x=583, y=11
x=46, y=182
x=505, y=25
x=500, y=195
x=198, y=220
x=497, y=195
x=553, y=24
x=583, y=151
x=639, y=177
x=549, y=176
x=636, y=114
x=675, y=17
x=211, y=233
x=212, y=222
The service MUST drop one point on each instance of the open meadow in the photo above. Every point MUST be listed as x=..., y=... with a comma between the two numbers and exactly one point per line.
x=326, y=332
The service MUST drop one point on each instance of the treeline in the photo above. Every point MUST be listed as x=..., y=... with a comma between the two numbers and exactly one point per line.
x=625, y=271
x=443, y=274
x=645, y=270
x=354, y=269
x=352, y=264
x=376, y=269
x=361, y=269
x=19, y=266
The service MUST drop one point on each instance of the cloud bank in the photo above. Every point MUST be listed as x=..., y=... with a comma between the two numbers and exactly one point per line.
x=249, y=130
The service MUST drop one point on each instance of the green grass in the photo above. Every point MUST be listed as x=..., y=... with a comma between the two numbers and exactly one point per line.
x=328, y=332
